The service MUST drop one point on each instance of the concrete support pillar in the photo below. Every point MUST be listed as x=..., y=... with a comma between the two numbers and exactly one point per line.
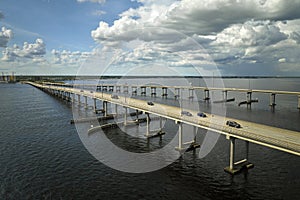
x=160, y=124
x=164, y=92
x=78, y=96
x=206, y=95
x=116, y=109
x=85, y=102
x=249, y=99
x=95, y=105
x=247, y=150
x=143, y=91
x=225, y=94
x=191, y=93
x=104, y=88
x=272, y=100
x=137, y=115
x=125, y=116
x=148, y=125
x=134, y=90
x=299, y=102
x=232, y=153
x=195, y=133
x=105, y=108
x=179, y=136
x=177, y=93
x=153, y=91
x=73, y=99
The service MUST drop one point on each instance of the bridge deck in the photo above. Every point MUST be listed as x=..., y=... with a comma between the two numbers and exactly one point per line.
x=186, y=87
x=277, y=138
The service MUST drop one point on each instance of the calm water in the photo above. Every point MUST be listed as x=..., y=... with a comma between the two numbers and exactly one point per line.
x=42, y=156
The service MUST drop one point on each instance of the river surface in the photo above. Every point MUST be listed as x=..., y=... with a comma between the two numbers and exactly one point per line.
x=43, y=157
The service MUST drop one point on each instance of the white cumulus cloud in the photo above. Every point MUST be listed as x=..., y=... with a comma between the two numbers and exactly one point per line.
x=31, y=51
x=5, y=36
x=65, y=57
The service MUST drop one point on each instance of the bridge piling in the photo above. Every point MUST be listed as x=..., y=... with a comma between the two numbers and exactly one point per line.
x=143, y=91
x=299, y=102
x=225, y=95
x=85, y=102
x=78, y=96
x=153, y=91
x=134, y=90
x=272, y=100
x=232, y=153
x=177, y=91
x=116, y=110
x=148, y=125
x=180, y=143
x=249, y=99
x=69, y=97
x=236, y=167
x=206, y=95
x=105, y=108
x=164, y=92
x=73, y=98
x=191, y=93
x=95, y=105
x=125, y=116
x=137, y=115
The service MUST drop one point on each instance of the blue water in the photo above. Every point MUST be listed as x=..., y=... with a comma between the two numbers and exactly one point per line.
x=42, y=156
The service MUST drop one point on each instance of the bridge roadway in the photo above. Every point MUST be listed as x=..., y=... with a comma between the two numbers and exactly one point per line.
x=184, y=87
x=276, y=138
x=206, y=90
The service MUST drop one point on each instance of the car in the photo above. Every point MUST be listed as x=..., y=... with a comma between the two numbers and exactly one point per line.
x=150, y=103
x=91, y=91
x=114, y=96
x=201, y=114
x=233, y=124
x=81, y=90
x=186, y=113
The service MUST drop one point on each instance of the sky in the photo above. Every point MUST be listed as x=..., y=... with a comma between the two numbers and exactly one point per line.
x=226, y=37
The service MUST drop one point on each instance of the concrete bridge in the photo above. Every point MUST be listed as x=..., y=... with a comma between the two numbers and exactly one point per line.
x=276, y=138
x=152, y=90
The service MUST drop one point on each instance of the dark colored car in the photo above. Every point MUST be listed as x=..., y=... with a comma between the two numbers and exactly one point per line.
x=201, y=114
x=114, y=96
x=186, y=113
x=233, y=124
x=81, y=90
x=150, y=103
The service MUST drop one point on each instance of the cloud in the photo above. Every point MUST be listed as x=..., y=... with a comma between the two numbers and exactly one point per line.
x=93, y=1
x=65, y=57
x=99, y=13
x=246, y=41
x=232, y=31
x=5, y=36
x=32, y=51
x=198, y=16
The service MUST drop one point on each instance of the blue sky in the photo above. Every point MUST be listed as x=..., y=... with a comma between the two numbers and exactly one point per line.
x=66, y=24
x=258, y=37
